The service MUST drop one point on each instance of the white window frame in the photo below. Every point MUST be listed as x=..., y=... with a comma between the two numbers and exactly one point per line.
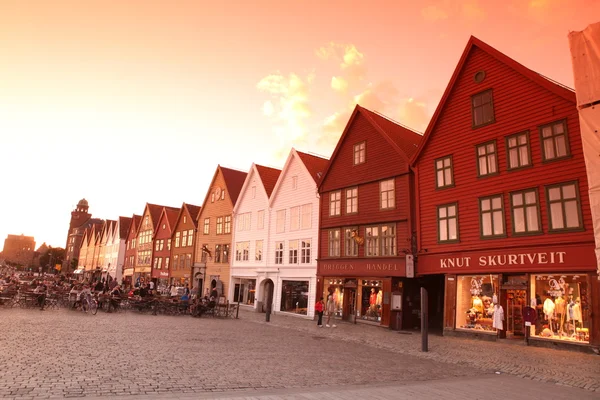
x=280, y=221
x=352, y=200
x=306, y=216
x=387, y=194
x=293, y=252
x=305, y=251
x=335, y=203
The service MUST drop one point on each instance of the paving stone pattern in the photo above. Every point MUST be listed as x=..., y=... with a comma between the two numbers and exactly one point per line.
x=562, y=367
x=56, y=354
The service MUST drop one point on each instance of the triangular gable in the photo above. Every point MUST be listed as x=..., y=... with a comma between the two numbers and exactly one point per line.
x=313, y=166
x=388, y=131
x=191, y=210
x=234, y=178
x=134, y=226
x=169, y=215
x=554, y=87
x=270, y=175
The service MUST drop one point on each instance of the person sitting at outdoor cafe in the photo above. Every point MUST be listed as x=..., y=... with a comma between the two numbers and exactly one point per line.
x=143, y=291
x=99, y=286
x=41, y=290
x=115, y=298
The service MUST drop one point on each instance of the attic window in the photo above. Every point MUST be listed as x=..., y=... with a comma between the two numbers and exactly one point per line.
x=479, y=76
x=223, y=195
x=359, y=153
x=184, y=219
x=164, y=226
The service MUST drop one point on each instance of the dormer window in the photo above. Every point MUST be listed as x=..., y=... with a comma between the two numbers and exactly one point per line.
x=482, y=108
x=359, y=153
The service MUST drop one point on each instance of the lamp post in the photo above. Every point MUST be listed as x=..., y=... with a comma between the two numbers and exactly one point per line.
x=237, y=311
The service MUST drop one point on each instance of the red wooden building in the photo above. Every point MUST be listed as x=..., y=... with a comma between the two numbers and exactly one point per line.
x=503, y=210
x=366, y=223
x=131, y=250
x=161, y=252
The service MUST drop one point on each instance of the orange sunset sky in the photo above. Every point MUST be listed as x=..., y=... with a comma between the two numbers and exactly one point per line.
x=125, y=102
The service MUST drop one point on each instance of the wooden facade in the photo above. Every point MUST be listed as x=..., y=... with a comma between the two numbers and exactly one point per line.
x=502, y=189
x=161, y=252
x=131, y=250
x=365, y=216
x=182, y=244
x=215, y=224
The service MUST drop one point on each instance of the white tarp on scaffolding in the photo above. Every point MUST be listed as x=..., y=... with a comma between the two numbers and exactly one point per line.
x=585, y=53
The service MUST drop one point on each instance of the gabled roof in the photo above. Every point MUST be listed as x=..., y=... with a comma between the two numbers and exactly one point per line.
x=315, y=165
x=135, y=224
x=264, y=174
x=402, y=139
x=234, y=180
x=268, y=176
x=547, y=83
x=124, y=224
x=155, y=211
x=192, y=210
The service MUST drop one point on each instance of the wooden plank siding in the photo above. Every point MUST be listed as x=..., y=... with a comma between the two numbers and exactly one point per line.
x=519, y=105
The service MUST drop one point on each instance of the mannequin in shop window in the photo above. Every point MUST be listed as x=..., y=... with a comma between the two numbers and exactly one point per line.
x=373, y=299
x=478, y=304
x=548, y=308
x=559, y=312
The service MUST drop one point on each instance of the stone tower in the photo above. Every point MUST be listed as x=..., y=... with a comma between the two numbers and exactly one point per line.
x=79, y=219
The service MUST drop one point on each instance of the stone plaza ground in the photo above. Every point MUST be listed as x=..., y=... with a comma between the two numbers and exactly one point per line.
x=56, y=354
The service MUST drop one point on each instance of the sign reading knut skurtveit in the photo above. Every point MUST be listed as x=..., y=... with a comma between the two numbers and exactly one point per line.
x=578, y=258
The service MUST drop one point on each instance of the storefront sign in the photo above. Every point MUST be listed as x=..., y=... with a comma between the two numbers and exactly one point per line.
x=374, y=267
x=410, y=266
x=546, y=258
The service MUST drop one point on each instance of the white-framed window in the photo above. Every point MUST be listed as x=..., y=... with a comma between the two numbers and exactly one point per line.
x=243, y=221
x=177, y=239
x=335, y=203
x=293, y=251
x=184, y=238
x=206, y=226
x=294, y=218
x=253, y=192
x=223, y=195
x=564, y=207
x=260, y=219
x=212, y=198
x=372, y=241
x=190, y=237
x=387, y=194
x=280, y=221
x=305, y=251
x=334, y=243
x=242, y=251
x=492, y=216
x=350, y=245
x=306, y=218
x=227, y=224
x=352, y=200
x=184, y=220
x=278, y=252
x=360, y=153
x=219, y=225
x=258, y=250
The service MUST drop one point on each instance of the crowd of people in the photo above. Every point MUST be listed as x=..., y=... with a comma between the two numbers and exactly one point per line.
x=106, y=290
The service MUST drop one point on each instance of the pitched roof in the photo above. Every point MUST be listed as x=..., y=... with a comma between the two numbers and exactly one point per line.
x=555, y=87
x=124, y=224
x=400, y=138
x=194, y=212
x=171, y=216
x=135, y=223
x=234, y=180
x=155, y=212
x=268, y=176
x=315, y=165
x=405, y=138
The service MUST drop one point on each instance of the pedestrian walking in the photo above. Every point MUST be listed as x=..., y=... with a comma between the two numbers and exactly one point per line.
x=319, y=307
x=330, y=310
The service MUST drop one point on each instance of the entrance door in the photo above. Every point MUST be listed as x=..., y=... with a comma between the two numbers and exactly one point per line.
x=514, y=300
x=349, y=307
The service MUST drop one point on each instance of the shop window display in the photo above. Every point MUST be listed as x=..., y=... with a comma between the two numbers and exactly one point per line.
x=372, y=293
x=562, y=306
x=246, y=290
x=335, y=287
x=476, y=297
x=294, y=297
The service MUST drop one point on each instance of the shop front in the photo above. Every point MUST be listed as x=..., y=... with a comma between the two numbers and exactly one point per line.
x=141, y=275
x=361, y=289
x=544, y=295
x=244, y=290
x=161, y=279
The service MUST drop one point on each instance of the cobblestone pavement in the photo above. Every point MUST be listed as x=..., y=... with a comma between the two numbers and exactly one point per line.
x=561, y=367
x=71, y=354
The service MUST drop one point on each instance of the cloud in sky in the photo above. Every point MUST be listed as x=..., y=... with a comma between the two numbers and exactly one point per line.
x=288, y=106
x=464, y=10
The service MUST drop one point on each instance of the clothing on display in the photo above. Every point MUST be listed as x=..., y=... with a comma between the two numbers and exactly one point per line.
x=549, y=308
x=476, y=299
x=498, y=317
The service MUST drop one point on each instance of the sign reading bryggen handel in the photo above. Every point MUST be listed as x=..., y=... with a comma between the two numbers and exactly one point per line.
x=374, y=267
x=571, y=258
